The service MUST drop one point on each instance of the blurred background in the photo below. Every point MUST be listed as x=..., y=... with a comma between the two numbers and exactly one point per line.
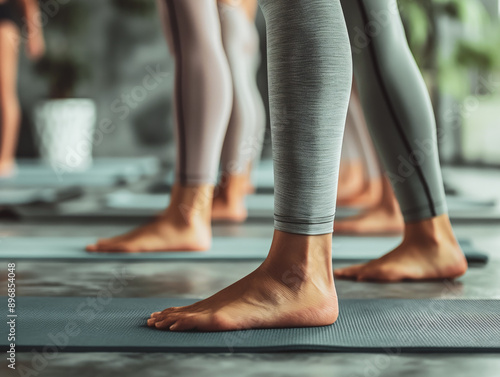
x=105, y=87
x=104, y=50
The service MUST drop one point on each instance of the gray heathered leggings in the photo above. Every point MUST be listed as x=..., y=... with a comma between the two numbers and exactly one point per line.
x=310, y=81
x=310, y=76
x=247, y=123
x=396, y=105
x=203, y=88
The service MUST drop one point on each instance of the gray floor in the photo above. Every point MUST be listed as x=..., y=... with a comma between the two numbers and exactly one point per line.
x=198, y=280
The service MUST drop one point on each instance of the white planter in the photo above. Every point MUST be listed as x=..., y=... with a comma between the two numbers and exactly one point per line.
x=65, y=130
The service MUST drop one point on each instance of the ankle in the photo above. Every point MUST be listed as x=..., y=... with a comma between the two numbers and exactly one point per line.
x=233, y=188
x=303, y=258
x=388, y=198
x=436, y=231
x=391, y=207
x=190, y=205
x=7, y=161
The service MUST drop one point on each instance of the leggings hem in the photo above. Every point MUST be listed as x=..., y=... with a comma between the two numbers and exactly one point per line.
x=307, y=229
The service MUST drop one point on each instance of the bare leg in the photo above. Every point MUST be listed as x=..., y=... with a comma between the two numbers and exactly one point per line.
x=229, y=198
x=9, y=103
x=248, y=6
x=366, y=197
x=350, y=180
x=383, y=218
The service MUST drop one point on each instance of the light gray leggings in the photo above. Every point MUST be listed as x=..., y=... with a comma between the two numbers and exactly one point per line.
x=397, y=106
x=309, y=84
x=203, y=87
x=244, y=136
x=310, y=76
x=214, y=52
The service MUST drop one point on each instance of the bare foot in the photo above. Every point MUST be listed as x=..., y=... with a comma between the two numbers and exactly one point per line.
x=369, y=195
x=229, y=199
x=226, y=210
x=351, y=179
x=292, y=288
x=375, y=221
x=385, y=218
x=184, y=226
x=429, y=251
x=251, y=189
x=249, y=186
x=7, y=169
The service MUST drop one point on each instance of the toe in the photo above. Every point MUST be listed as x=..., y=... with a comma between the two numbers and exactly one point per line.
x=100, y=245
x=165, y=312
x=184, y=324
x=200, y=322
x=348, y=272
x=103, y=241
x=167, y=322
x=339, y=272
x=161, y=316
x=117, y=248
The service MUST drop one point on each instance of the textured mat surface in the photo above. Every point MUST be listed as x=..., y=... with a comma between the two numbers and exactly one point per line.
x=387, y=326
x=223, y=248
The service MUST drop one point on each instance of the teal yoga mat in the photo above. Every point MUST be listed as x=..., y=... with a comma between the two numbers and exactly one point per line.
x=389, y=326
x=223, y=249
x=29, y=195
x=103, y=172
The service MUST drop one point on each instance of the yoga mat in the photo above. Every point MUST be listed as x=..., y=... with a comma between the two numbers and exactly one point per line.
x=262, y=205
x=103, y=172
x=25, y=195
x=258, y=205
x=391, y=326
x=465, y=202
x=223, y=249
